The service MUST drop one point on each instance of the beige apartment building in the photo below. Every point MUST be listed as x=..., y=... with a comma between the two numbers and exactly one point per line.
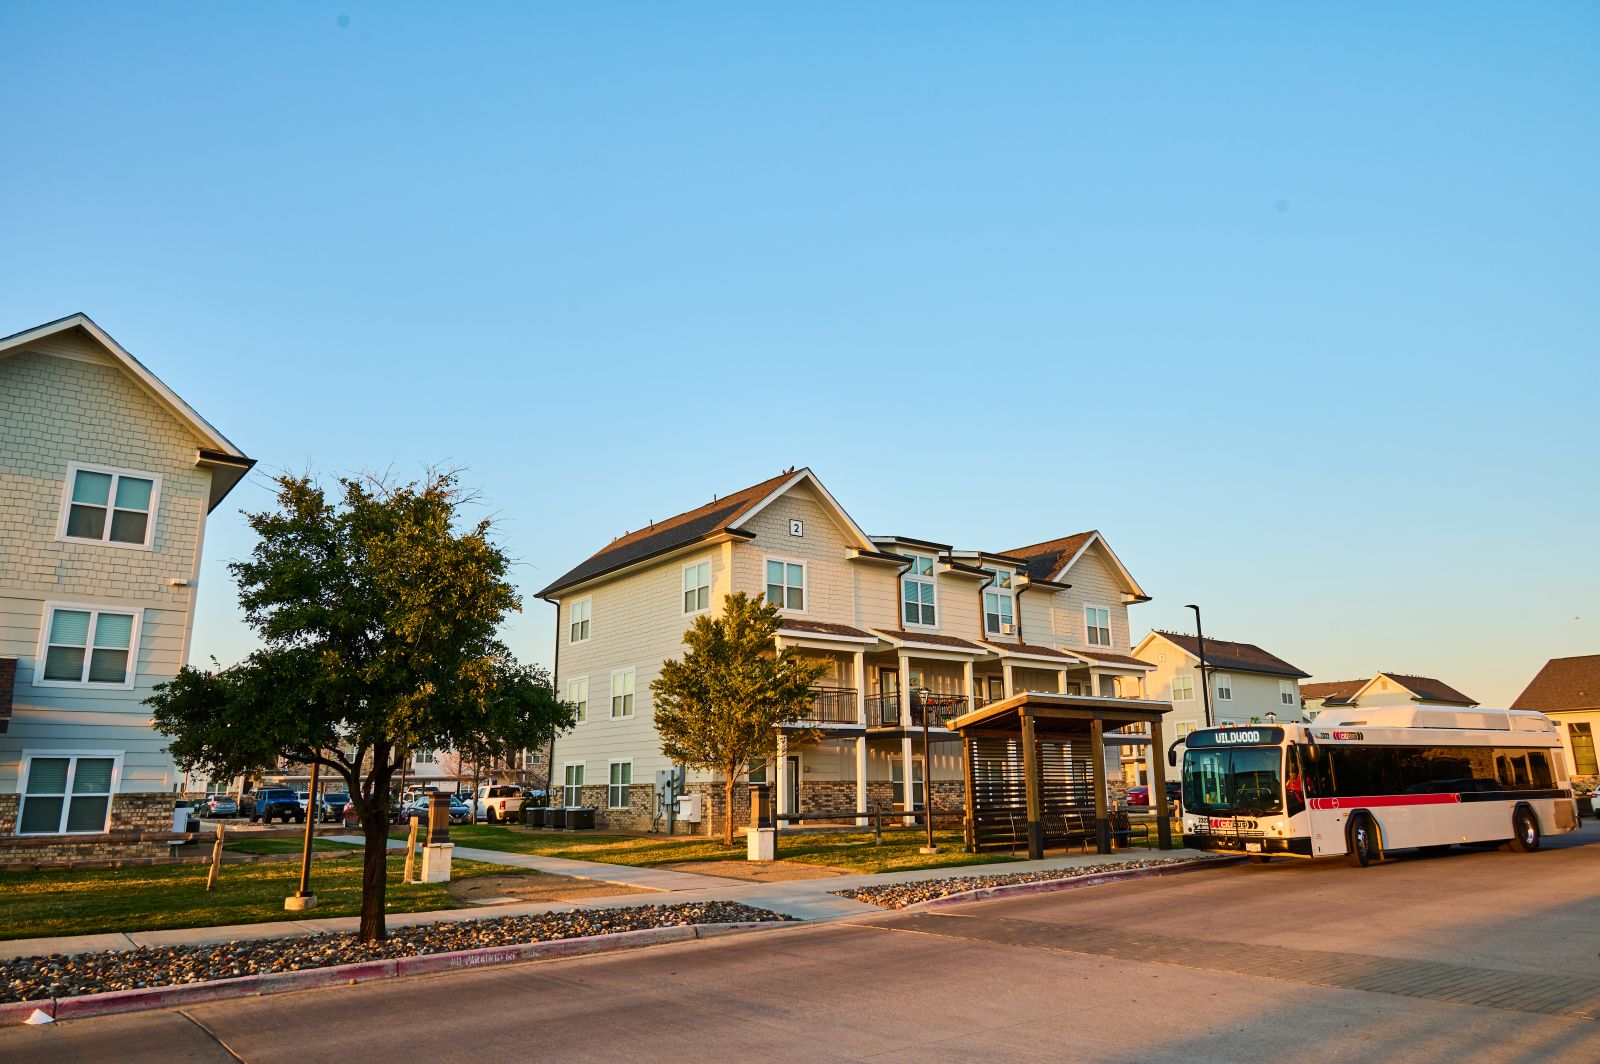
x=910, y=630
x=106, y=478
x=1567, y=690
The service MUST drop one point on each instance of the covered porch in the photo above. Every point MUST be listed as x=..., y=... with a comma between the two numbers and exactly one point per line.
x=1038, y=757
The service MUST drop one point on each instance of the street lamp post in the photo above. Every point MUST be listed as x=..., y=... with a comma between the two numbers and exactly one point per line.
x=1205, y=682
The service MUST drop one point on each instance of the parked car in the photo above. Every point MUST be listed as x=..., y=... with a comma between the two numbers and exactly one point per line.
x=460, y=811
x=1140, y=794
x=304, y=798
x=276, y=803
x=333, y=804
x=499, y=803
x=219, y=805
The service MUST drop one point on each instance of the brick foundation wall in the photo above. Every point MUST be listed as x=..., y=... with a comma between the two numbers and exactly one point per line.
x=140, y=824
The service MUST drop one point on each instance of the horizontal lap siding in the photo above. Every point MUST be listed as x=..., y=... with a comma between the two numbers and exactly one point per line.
x=66, y=403
x=1093, y=584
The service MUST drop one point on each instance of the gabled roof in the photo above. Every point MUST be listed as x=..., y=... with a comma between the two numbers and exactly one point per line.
x=1333, y=692
x=228, y=464
x=1051, y=559
x=1226, y=654
x=1563, y=684
x=1425, y=688
x=725, y=515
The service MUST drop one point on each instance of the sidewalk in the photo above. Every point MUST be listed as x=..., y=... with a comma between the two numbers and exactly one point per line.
x=803, y=899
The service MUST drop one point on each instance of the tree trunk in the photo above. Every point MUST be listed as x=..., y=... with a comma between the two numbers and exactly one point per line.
x=375, y=854
x=727, y=812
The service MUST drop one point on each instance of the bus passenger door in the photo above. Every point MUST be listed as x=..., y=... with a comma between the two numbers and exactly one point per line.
x=1326, y=825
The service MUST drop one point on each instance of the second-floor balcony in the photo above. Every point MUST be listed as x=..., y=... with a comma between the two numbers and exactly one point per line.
x=833, y=705
x=883, y=710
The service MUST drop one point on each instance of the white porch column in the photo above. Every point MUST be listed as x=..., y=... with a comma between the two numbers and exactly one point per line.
x=1061, y=682
x=782, y=783
x=966, y=680
x=860, y=666
x=861, y=780
x=905, y=738
x=908, y=766
x=1143, y=691
x=905, y=690
x=1005, y=671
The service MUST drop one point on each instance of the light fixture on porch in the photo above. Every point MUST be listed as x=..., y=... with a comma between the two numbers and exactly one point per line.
x=1272, y=718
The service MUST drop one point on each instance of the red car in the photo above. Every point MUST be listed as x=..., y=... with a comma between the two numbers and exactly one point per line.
x=1140, y=794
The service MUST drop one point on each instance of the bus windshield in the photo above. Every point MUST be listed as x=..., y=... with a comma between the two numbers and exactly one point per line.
x=1228, y=780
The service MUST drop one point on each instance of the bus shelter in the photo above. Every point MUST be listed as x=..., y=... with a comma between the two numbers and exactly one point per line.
x=1040, y=760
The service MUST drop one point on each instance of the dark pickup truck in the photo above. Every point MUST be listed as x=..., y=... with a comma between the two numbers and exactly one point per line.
x=273, y=803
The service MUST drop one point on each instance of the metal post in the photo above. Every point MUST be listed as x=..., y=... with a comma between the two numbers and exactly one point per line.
x=1205, y=683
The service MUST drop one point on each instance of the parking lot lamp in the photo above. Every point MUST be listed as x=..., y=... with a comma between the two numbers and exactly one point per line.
x=1205, y=684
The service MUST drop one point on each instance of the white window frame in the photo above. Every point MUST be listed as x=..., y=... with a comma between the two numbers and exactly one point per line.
x=911, y=576
x=94, y=610
x=805, y=582
x=1089, y=630
x=566, y=774
x=1222, y=682
x=73, y=469
x=919, y=782
x=1188, y=688
x=74, y=756
x=573, y=620
x=1288, y=693
x=632, y=694
x=582, y=703
x=1009, y=596
x=687, y=612
x=610, y=786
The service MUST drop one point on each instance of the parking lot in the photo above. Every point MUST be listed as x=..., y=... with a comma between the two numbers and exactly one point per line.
x=1469, y=956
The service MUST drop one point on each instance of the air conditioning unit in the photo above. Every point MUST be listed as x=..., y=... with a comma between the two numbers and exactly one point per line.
x=1008, y=629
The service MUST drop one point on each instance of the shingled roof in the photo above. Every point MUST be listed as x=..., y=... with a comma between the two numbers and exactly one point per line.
x=1332, y=692
x=662, y=536
x=1240, y=657
x=1563, y=684
x=1044, y=560
x=1427, y=689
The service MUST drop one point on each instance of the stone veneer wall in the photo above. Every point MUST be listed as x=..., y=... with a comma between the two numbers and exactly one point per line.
x=141, y=828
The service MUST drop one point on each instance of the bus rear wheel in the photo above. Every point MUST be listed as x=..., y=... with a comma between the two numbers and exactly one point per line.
x=1260, y=858
x=1526, y=839
x=1361, y=842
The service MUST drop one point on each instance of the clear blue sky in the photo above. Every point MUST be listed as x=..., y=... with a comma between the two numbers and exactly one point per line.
x=1300, y=305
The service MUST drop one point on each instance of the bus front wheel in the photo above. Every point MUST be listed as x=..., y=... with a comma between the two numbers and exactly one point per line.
x=1526, y=839
x=1361, y=841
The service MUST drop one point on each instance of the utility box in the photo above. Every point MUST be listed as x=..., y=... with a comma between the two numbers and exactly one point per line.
x=691, y=807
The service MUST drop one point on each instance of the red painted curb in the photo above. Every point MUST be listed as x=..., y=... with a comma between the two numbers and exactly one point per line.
x=1050, y=886
x=162, y=997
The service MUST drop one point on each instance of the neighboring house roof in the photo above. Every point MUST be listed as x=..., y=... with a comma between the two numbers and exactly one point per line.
x=1236, y=657
x=1333, y=692
x=722, y=515
x=1564, y=684
x=1424, y=688
x=228, y=464
x=1050, y=560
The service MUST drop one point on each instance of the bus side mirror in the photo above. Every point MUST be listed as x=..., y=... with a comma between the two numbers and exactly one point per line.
x=1172, y=753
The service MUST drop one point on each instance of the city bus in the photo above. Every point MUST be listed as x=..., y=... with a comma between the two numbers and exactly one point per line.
x=1364, y=782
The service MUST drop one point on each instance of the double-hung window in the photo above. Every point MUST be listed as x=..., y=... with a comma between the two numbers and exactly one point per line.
x=66, y=795
x=1183, y=688
x=88, y=645
x=578, y=621
x=622, y=693
x=1097, y=626
x=578, y=695
x=110, y=506
x=999, y=604
x=1584, y=762
x=898, y=778
x=786, y=584
x=1224, y=684
x=617, y=788
x=696, y=587
x=1288, y=693
x=572, y=788
x=918, y=601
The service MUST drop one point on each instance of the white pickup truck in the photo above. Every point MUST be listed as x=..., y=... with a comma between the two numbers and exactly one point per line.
x=498, y=803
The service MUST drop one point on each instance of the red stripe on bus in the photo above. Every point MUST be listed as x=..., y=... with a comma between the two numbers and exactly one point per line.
x=1380, y=800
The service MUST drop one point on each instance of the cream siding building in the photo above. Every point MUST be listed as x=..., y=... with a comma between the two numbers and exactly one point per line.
x=890, y=616
x=1568, y=691
x=107, y=478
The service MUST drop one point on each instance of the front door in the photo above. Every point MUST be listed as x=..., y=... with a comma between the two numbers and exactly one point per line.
x=997, y=688
x=794, y=785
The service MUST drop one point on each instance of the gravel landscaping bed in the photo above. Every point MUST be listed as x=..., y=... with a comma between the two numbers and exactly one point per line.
x=899, y=895
x=58, y=975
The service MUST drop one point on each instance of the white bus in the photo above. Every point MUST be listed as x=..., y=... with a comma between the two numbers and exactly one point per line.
x=1361, y=782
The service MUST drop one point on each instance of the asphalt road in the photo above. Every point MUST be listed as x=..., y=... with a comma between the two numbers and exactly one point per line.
x=1305, y=961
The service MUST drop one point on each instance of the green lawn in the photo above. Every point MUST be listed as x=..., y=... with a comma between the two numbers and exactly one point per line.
x=267, y=846
x=90, y=901
x=852, y=850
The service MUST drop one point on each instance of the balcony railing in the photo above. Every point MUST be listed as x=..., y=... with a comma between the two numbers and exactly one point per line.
x=833, y=705
x=883, y=710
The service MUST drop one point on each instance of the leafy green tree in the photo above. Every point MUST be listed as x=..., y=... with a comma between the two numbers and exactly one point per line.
x=720, y=706
x=378, y=619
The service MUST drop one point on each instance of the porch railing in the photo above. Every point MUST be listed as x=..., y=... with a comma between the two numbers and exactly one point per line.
x=833, y=705
x=883, y=710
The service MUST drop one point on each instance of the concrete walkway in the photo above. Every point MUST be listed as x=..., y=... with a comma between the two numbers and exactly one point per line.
x=802, y=899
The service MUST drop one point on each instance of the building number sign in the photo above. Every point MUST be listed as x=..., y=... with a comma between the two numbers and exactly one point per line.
x=797, y=528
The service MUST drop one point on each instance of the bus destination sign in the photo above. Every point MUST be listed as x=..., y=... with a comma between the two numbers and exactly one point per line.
x=1252, y=736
